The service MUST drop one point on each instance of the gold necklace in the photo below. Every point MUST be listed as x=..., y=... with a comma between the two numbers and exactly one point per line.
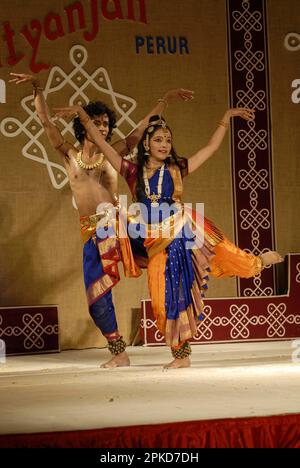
x=89, y=167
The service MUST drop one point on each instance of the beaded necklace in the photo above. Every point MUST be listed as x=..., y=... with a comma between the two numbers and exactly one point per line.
x=154, y=198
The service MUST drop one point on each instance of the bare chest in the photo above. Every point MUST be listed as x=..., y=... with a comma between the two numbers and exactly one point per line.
x=78, y=175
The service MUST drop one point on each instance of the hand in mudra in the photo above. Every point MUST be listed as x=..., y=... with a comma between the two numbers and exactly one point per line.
x=179, y=93
x=243, y=112
x=19, y=78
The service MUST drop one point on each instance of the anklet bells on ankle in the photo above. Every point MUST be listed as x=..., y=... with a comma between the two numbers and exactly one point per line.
x=182, y=352
x=117, y=346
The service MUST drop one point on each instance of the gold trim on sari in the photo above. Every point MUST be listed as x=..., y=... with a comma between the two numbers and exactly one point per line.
x=230, y=260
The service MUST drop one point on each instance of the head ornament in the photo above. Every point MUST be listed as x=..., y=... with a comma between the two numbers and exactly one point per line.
x=159, y=122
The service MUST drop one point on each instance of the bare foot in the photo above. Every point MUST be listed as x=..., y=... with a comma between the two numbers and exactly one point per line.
x=178, y=363
x=120, y=360
x=270, y=258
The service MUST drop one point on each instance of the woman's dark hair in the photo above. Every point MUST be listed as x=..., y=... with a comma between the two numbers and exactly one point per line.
x=94, y=109
x=142, y=158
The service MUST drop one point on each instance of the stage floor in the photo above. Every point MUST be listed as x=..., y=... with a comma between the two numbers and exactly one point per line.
x=69, y=391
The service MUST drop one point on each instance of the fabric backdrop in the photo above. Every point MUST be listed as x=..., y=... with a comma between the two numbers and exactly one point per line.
x=129, y=62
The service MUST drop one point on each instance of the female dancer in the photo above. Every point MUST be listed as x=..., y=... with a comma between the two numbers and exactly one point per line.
x=181, y=251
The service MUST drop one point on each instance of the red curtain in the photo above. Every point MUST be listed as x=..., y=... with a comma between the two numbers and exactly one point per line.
x=264, y=432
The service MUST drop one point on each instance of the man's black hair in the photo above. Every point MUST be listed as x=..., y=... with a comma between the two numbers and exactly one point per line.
x=94, y=109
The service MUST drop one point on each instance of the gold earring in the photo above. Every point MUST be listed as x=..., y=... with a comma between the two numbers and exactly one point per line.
x=147, y=145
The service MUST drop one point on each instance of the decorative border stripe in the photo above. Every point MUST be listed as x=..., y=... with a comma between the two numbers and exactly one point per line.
x=251, y=141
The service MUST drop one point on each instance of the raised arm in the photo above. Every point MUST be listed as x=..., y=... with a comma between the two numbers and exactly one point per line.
x=207, y=151
x=126, y=145
x=109, y=152
x=53, y=133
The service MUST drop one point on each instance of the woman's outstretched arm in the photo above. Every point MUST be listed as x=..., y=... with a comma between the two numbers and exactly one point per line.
x=195, y=161
x=109, y=152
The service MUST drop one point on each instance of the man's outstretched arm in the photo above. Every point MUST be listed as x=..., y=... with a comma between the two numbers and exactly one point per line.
x=53, y=133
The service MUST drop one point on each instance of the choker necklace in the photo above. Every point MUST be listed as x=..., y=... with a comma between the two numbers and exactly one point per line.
x=89, y=167
x=154, y=198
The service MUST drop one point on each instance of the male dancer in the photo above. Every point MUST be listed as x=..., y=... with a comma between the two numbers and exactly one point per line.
x=93, y=181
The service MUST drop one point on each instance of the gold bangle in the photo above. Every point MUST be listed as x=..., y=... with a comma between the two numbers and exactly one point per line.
x=163, y=100
x=36, y=89
x=60, y=145
x=223, y=124
x=36, y=85
x=84, y=121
